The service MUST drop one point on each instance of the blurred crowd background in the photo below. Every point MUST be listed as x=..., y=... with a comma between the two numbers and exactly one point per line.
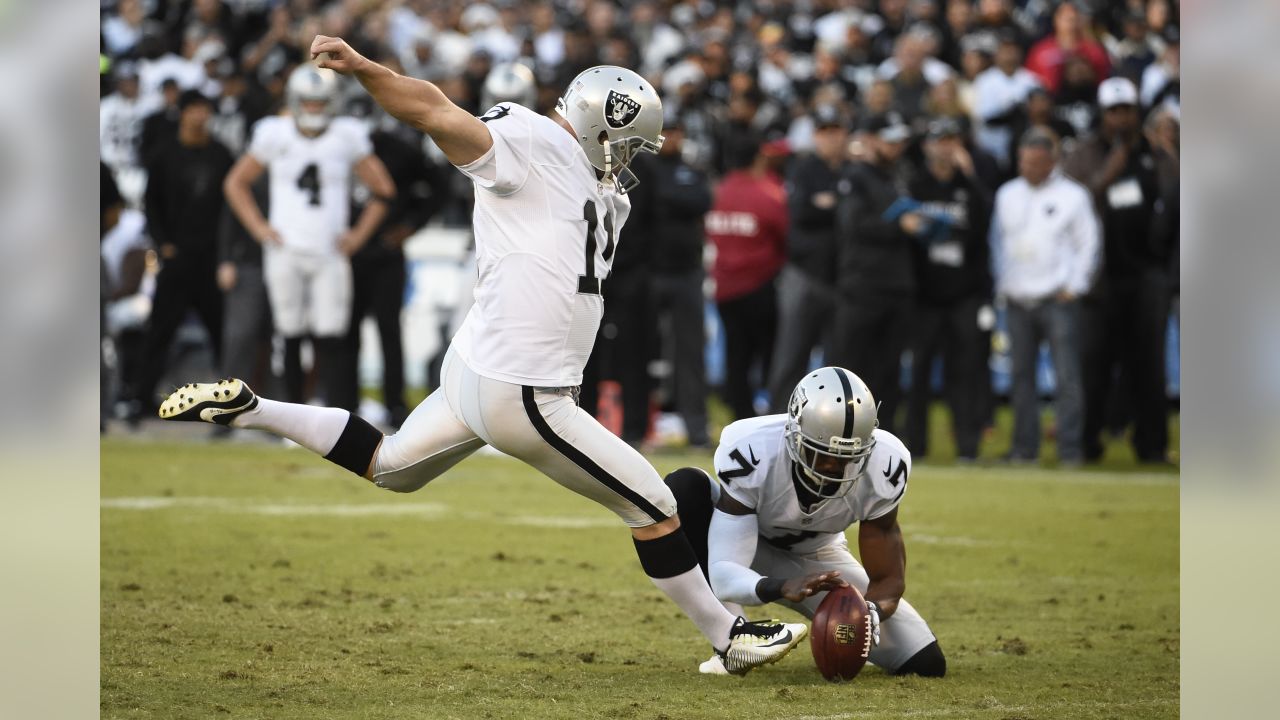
x=965, y=202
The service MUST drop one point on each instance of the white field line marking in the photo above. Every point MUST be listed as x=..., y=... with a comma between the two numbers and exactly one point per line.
x=161, y=503
x=263, y=508
x=424, y=510
x=427, y=511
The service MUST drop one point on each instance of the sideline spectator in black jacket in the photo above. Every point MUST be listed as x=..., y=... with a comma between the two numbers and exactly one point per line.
x=672, y=198
x=806, y=286
x=184, y=208
x=877, y=278
x=954, y=290
x=1127, y=314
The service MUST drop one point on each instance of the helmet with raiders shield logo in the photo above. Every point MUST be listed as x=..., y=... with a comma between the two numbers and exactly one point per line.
x=615, y=115
x=830, y=420
x=310, y=84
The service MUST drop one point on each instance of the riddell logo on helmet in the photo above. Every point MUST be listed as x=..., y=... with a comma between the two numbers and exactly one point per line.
x=620, y=110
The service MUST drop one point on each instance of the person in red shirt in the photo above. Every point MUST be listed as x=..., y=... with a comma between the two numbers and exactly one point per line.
x=1048, y=57
x=748, y=227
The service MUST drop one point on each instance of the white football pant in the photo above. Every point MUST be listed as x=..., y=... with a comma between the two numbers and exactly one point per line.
x=541, y=426
x=309, y=292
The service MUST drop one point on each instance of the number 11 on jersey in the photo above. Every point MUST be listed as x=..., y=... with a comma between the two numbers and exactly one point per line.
x=589, y=284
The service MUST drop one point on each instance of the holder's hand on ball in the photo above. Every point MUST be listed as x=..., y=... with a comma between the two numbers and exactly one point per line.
x=800, y=588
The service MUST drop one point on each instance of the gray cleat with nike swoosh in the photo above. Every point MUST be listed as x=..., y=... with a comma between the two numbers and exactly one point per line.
x=752, y=644
x=218, y=402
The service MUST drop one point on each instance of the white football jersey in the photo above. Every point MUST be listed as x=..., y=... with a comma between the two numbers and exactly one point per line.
x=545, y=232
x=753, y=466
x=310, y=181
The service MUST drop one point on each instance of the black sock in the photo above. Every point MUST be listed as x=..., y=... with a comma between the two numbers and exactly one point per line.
x=667, y=556
x=356, y=446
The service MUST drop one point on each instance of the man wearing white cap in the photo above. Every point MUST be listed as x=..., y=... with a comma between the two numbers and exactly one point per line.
x=1125, y=316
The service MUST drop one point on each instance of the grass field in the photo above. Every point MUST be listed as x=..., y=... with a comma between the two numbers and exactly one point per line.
x=256, y=581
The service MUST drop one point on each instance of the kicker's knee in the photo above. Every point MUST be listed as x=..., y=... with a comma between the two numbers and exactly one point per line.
x=929, y=662
x=402, y=481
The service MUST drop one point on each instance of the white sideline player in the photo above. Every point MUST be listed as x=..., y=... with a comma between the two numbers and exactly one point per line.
x=790, y=485
x=308, y=240
x=549, y=202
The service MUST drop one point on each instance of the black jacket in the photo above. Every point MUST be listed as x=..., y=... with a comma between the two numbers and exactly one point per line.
x=666, y=215
x=1126, y=207
x=875, y=254
x=811, y=244
x=184, y=197
x=421, y=190
x=968, y=203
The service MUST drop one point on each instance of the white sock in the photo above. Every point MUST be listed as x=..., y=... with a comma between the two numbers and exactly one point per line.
x=690, y=591
x=734, y=609
x=314, y=428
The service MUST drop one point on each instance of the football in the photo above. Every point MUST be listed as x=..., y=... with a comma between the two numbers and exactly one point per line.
x=841, y=634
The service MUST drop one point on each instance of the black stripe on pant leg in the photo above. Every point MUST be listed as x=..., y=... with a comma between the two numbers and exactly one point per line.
x=577, y=457
x=356, y=445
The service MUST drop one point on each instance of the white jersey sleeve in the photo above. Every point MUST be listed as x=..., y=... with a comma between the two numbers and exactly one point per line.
x=505, y=167
x=885, y=480
x=269, y=139
x=355, y=138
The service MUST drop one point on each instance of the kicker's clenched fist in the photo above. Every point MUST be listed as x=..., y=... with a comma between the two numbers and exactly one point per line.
x=335, y=54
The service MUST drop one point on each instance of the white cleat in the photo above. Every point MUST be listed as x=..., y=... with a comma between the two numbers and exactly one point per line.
x=752, y=644
x=218, y=402
x=714, y=666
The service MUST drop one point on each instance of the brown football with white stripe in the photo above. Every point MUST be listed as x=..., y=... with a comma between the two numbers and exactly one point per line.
x=841, y=634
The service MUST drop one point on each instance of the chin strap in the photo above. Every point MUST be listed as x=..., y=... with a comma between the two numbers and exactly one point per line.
x=608, y=159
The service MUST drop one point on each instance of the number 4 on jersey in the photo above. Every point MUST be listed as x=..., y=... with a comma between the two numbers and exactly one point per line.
x=309, y=182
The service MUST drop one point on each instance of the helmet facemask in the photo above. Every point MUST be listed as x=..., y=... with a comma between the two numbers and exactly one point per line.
x=314, y=122
x=618, y=155
x=817, y=458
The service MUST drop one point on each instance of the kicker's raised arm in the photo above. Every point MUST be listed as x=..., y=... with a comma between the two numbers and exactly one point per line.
x=460, y=135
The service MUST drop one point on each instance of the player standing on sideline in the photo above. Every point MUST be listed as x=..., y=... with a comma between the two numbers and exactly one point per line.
x=549, y=201
x=307, y=243
x=790, y=485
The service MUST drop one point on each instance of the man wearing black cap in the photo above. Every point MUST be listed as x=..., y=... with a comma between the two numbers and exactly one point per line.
x=161, y=125
x=952, y=315
x=184, y=205
x=1126, y=316
x=876, y=281
x=806, y=285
